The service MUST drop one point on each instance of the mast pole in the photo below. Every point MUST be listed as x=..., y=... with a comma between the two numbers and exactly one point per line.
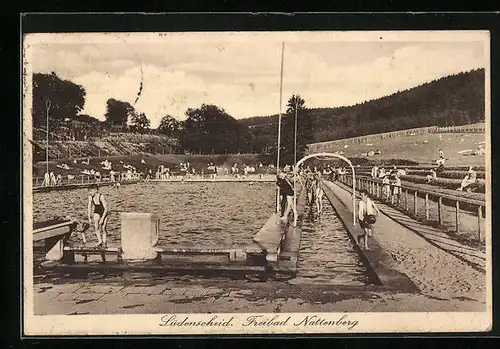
x=47, y=106
x=296, y=170
x=278, y=206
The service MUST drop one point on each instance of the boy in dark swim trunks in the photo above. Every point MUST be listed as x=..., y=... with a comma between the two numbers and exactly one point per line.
x=366, y=208
x=98, y=214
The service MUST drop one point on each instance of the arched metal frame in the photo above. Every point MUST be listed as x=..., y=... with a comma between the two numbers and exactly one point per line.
x=315, y=155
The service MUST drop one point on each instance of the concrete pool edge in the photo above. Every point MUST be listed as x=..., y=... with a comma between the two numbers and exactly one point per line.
x=80, y=186
x=377, y=260
x=250, y=259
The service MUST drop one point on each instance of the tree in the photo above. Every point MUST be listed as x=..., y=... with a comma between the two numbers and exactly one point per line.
x=169, y=126
x=118, y=113
x=139, y=122
x=210, y=130
x=66, y=98
x=85, y=126
x=455, y=99
x=304, y=130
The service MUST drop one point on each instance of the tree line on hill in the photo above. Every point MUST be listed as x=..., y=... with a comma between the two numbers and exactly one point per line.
x=207, y=129
x=453, y=100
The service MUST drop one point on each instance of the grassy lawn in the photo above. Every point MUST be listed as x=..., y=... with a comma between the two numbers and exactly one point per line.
x=422, y=148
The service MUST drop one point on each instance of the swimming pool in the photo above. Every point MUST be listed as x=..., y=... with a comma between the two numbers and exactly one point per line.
x=204, y=214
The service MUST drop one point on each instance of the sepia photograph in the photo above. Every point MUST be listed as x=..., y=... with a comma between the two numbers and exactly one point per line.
x=256, y=182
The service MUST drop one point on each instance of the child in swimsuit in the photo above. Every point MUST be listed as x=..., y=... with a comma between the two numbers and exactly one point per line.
x=98, y=214
x=318, y=192
x=310, y=188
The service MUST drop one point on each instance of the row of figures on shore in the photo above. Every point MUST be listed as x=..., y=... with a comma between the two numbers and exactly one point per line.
x=391, y=182
x=212, y=170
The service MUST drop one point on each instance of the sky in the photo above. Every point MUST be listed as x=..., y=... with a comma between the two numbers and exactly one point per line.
x=242, y=75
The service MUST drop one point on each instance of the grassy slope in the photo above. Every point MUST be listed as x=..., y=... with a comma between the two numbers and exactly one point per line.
x=413, y=148
x=125, y=144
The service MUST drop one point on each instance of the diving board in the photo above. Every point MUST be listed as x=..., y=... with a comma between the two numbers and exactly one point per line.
x=270, y=236
x=54, y=233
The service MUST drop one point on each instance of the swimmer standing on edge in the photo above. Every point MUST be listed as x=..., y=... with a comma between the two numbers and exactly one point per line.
x=286, y=192
x=98, y=213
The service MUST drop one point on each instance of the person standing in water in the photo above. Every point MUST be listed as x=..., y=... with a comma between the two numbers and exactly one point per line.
x=318, y=192
x=98, y=214
x=367, y=212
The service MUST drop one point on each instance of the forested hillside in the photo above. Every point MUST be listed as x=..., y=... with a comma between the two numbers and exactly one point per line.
x=452, y=100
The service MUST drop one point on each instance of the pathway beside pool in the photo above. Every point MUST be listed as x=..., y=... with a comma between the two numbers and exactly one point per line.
x=438, y=268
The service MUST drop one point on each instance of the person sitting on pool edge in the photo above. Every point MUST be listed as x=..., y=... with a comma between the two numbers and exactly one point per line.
x=286, y=192
x=367, y=212
x=98, y=214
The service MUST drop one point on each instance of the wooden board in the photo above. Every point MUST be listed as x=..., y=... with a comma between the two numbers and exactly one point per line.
x=91, y=249
x=60, y=231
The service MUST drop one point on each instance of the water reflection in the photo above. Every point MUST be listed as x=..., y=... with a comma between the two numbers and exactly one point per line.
x=207, y=214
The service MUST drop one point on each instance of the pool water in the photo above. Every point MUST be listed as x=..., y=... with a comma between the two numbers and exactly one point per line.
x=327, y=256
x=204, y=214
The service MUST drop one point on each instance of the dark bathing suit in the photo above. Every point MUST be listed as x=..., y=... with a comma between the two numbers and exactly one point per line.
x=98, y=208
x=285, y=187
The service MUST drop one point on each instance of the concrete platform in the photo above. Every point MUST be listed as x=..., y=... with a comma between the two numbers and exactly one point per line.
x=78, y=186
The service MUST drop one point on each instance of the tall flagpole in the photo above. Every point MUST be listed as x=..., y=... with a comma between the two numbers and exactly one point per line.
x=295, y=165
x=278, y=206
x=47, y=106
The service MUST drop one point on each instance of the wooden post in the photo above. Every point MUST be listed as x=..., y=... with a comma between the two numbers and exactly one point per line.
x=406, y=200
x=426, y=206
x=415, y=198
x=440, y=210
x=82, y=179
x=457, y=216
x=479, y=220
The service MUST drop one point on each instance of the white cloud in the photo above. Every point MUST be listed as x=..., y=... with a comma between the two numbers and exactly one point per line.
x=243, y=77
